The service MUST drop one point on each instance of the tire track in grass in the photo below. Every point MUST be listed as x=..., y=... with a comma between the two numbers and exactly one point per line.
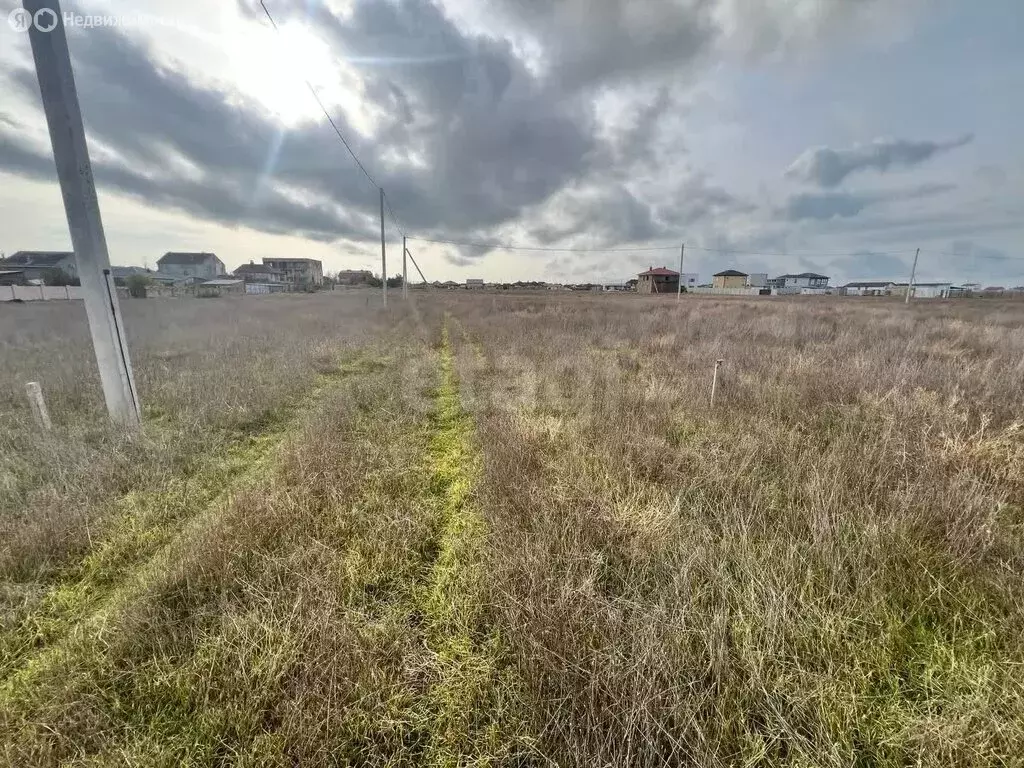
x=469, y=708
x=135, y=554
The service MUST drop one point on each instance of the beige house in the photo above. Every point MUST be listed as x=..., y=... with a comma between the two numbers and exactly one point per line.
x=730, y=278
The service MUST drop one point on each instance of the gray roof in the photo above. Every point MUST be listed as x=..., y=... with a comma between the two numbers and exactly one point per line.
x=37, y=258
x=176, y=257
x=806, y=276
x=261, y=269
x=730, y=273
x=222, y=282
x=870, y=284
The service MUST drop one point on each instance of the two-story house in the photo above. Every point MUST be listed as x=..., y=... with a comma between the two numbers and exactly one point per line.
x=203, y=266
x=298, y=271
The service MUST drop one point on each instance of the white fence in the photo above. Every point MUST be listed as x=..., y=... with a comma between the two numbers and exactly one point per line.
x=39, y=292
x=749, y=291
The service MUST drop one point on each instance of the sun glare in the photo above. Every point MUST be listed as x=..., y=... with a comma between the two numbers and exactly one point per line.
x=272, y=67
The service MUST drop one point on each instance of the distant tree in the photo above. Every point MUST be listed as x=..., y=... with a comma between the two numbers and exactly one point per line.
x=56, y=277
x=137, y=285
x=375, y=282
x=395, y=282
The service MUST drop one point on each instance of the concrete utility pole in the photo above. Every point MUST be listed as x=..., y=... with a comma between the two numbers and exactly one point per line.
x=913, y=272
x=67, y=136
x=383, y=250
x=405, y=270
x=682, y=252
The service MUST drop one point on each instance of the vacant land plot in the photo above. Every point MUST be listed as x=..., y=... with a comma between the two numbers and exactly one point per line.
x=487, y=529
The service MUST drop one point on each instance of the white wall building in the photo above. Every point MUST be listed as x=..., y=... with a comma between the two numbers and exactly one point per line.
x=802, y=280
x=757, y=280
x=201, y=266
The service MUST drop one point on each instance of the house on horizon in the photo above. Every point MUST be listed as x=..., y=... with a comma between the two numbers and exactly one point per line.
x=355, y=277
x=39, y=265
x=730, y=278
x=197, y=266
x=258, y=273
x=926, y=290
x=801, y=280
x=868, y=288
x=474, y=282
x=298, y=271
x=658, y=280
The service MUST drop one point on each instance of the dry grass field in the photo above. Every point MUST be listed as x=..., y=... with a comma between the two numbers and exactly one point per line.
x=509, y=530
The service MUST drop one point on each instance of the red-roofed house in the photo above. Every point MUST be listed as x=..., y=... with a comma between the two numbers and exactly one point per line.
x=658, y=280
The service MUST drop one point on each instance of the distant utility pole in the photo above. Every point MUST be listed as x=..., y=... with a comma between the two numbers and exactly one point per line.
x=682, y=252
x=74, y=171
x=405, y=270
x=913, y=273
x=413, y=260
x=383, y=250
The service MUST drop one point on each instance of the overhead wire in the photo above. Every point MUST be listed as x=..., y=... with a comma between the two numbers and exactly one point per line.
x=327, y=114
x=394, y=217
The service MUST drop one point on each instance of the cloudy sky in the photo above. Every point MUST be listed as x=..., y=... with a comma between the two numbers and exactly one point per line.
x=773, y=136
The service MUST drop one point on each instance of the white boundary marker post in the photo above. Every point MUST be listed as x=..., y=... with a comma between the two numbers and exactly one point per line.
x=74, y=170
x=714, y=381
x=39, y=412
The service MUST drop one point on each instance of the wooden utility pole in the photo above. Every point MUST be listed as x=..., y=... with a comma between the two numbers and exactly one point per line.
x=682, y=252
x=405, y=270
x=913, y=273
x=383, y=250
x=74, y=171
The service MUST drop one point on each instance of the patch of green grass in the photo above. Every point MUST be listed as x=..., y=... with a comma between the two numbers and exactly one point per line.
x=470, y=706
x=145, y=524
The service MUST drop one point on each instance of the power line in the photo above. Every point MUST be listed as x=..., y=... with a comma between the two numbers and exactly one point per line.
x=507, y=247
x=510, y=247
x=330, y=119
x=394, y=218
x=973, y=255
x=742, y=252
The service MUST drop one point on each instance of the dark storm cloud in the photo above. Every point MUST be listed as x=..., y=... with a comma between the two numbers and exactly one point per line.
x=868, y=265
x=825, y=206
x=827, y=167
x=696, y=199
x=495, y=141
x=493, y=138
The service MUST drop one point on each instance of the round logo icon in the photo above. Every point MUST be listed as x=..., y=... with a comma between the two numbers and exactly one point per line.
x=46, y=20
x=20, y=20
